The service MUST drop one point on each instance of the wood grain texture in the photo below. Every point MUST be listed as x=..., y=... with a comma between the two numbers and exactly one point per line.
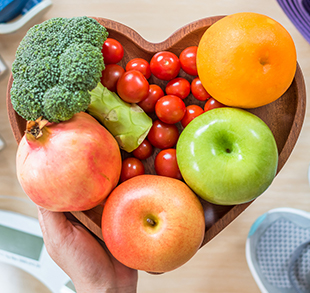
x=284, y=116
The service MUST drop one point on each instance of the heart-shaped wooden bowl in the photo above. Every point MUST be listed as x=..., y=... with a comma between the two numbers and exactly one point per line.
x=284, y=116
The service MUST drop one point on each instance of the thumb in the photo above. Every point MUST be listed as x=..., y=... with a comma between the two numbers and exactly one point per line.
x=56, y=228
x=49, y=221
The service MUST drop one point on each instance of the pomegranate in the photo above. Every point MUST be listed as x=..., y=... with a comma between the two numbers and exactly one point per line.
x=69, y=166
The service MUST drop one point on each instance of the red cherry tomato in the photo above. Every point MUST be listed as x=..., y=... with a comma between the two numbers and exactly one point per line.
x=163, y=135
x=188, y=60
x=198, y=90
x=148, y=104
x=165, y=65
x=132, y=86
x=131, y=167
x=179, y=87
x=112, y=51
x=143, y=151
x=110, y=76
x=170, y=109
x=212, y=104
x=141, y=65
x=166, y=164
x=192, y=111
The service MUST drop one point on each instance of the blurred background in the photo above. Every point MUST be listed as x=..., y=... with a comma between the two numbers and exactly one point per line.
x=220, y=266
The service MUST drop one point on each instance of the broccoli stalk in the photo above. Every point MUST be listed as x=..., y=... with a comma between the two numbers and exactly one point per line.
x=128, y=123
x=56, y=65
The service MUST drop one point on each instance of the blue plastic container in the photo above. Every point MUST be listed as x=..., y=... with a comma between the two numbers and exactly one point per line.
x=9, y=9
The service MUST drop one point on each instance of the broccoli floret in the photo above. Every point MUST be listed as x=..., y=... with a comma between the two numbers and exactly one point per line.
x=58, y=103
x=79, y=66
x=56, y=65
x=29, y=104
x=77, y=31
x=43, y=73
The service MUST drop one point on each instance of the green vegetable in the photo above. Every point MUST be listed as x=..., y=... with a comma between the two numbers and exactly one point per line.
x=128, y=123
x=57, y=63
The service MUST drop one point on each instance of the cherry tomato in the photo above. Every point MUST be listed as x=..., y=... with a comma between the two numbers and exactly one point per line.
x=165, y=65
x=141, y=65
x=170, y=109
x=110, y=76
x=212, y=104
x=163, y=135
x=148, y=104
x=112, y=51
x=166, y=164
x=188, y=60
x=192, y=111
x=179, y=87
x=143, y=151
x=198, y=90
x=131, y=167
x=132, y=86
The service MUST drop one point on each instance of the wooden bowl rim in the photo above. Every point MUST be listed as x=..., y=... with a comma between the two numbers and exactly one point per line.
x=157, y=46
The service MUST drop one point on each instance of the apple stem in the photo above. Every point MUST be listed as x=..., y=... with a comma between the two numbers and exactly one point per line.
x=151, y=222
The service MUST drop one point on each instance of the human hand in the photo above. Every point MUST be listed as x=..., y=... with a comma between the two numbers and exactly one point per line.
x=85, y=260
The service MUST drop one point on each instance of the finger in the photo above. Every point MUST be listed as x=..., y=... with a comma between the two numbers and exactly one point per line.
x=49, y=220
x=54, y=225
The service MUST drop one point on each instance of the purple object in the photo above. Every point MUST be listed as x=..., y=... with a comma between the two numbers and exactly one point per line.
x=306, y=4
x=298, y=11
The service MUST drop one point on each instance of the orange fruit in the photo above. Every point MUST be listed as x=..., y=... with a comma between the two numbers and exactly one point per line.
x=246, y=60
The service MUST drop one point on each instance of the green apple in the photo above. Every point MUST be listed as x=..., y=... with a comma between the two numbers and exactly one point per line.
x=227, y=156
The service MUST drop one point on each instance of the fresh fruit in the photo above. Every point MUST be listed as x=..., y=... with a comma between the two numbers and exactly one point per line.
x=153, y=223
x=110, y=76
x=148, y=104
x=143, y=151
x=165, y=65
x=227, y=156
x=165, y=164
x=246, y=60
x=132, y=86
x=198, y=91
x=64, y=166
x=212, y=104
x=112, y=51
x=163, y=135
x=170, y=109
x=188, y=60
x=192, y=111
x=141, y=65
x=179, y=87
x=131, y=167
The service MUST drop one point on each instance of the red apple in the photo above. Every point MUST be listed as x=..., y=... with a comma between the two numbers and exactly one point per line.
x=153, y=223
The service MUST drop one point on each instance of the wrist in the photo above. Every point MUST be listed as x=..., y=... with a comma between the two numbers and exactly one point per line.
x=104, y=289
x=122, y=290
